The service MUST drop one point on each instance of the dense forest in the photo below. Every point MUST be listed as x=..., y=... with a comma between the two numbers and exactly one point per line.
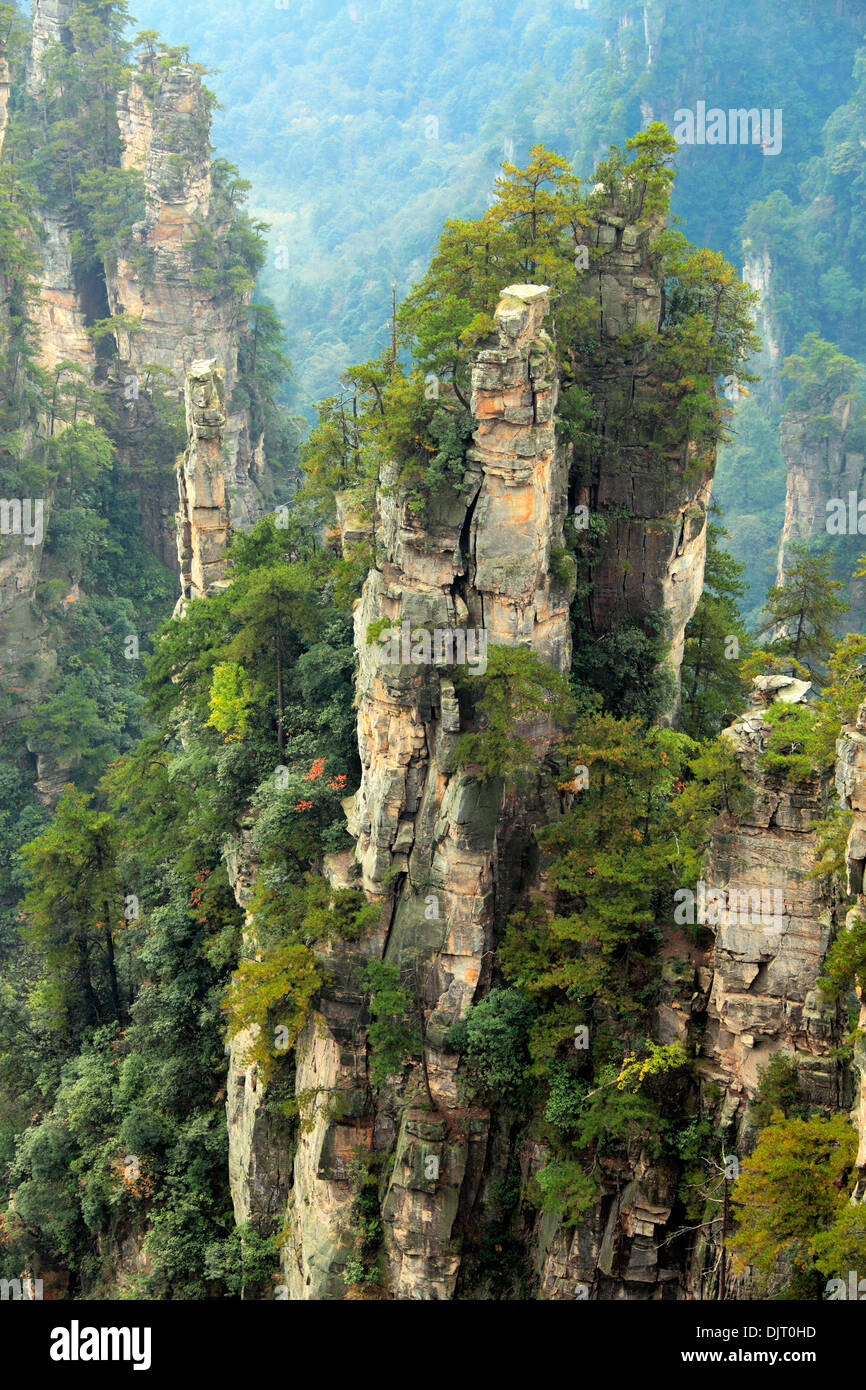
x=330, y=971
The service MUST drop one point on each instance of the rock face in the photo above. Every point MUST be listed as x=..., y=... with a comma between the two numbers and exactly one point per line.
x=259, y=1157
x=833, y=466
x=443, y=851
x=435, y=845
x=215, y=495
x=430, y=836
x=50, y=25
x=774, y=925
x=750, y=994
x=758, y=274
x=652, y=557
x=203, y=528
x=26, y=658
x=613, y=1253
x=60, y=312
x=4, y=97
x=163, y=120
x=851, y=787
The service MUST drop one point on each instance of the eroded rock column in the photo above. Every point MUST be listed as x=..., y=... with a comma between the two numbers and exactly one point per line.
x=772, y=923
x=212, y=501
x=431, y=836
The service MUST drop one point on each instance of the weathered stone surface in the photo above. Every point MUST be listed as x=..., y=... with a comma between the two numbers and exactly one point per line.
x=776, y=924
x=163, y=121
x=163, y=118
x=49, y=25
x=320, y=1204
x=439, y=848
x=818, y=469
x=428, y=834
x=27, y=657
x=204, y=520
x=851, y=787
x=59, y=313
x=259, y=1166
x=4, y=97
x=614, y=1252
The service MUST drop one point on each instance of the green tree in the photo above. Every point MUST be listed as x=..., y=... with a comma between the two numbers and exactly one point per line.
x=73, y=907
x=820, y=374
x=230, y=700
x=708, y=332
x=716, y=784
x=787, y=754
x=840, y=697
x=803, y=609
x=843, y=1246
x=716, y=638
x=612, y=859
x=396, y=1029
x=793, y=1186
x=491, y=1038
x=516, y=688
x=640, y=187
x=778, y=1090
x=262, y=365
x=82, y=451
x=272, y=606
x=845, y=962
x=272, y=995
x=528, y=234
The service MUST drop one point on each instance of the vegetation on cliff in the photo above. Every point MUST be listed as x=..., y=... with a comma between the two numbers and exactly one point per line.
x=182, y=891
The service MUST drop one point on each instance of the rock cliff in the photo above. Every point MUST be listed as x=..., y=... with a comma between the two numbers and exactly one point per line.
x=739, y=998
x=443, y=852
x=851, y=787
x=775, y=923
x=177, y=318
x=653, y=506
x=4, y=97
x=164, y=118
x=434, y=842
x=216, y=493
x=823, y=464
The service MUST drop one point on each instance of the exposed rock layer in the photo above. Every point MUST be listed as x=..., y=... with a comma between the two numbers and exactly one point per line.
x=444, y=851
x=215, y=493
